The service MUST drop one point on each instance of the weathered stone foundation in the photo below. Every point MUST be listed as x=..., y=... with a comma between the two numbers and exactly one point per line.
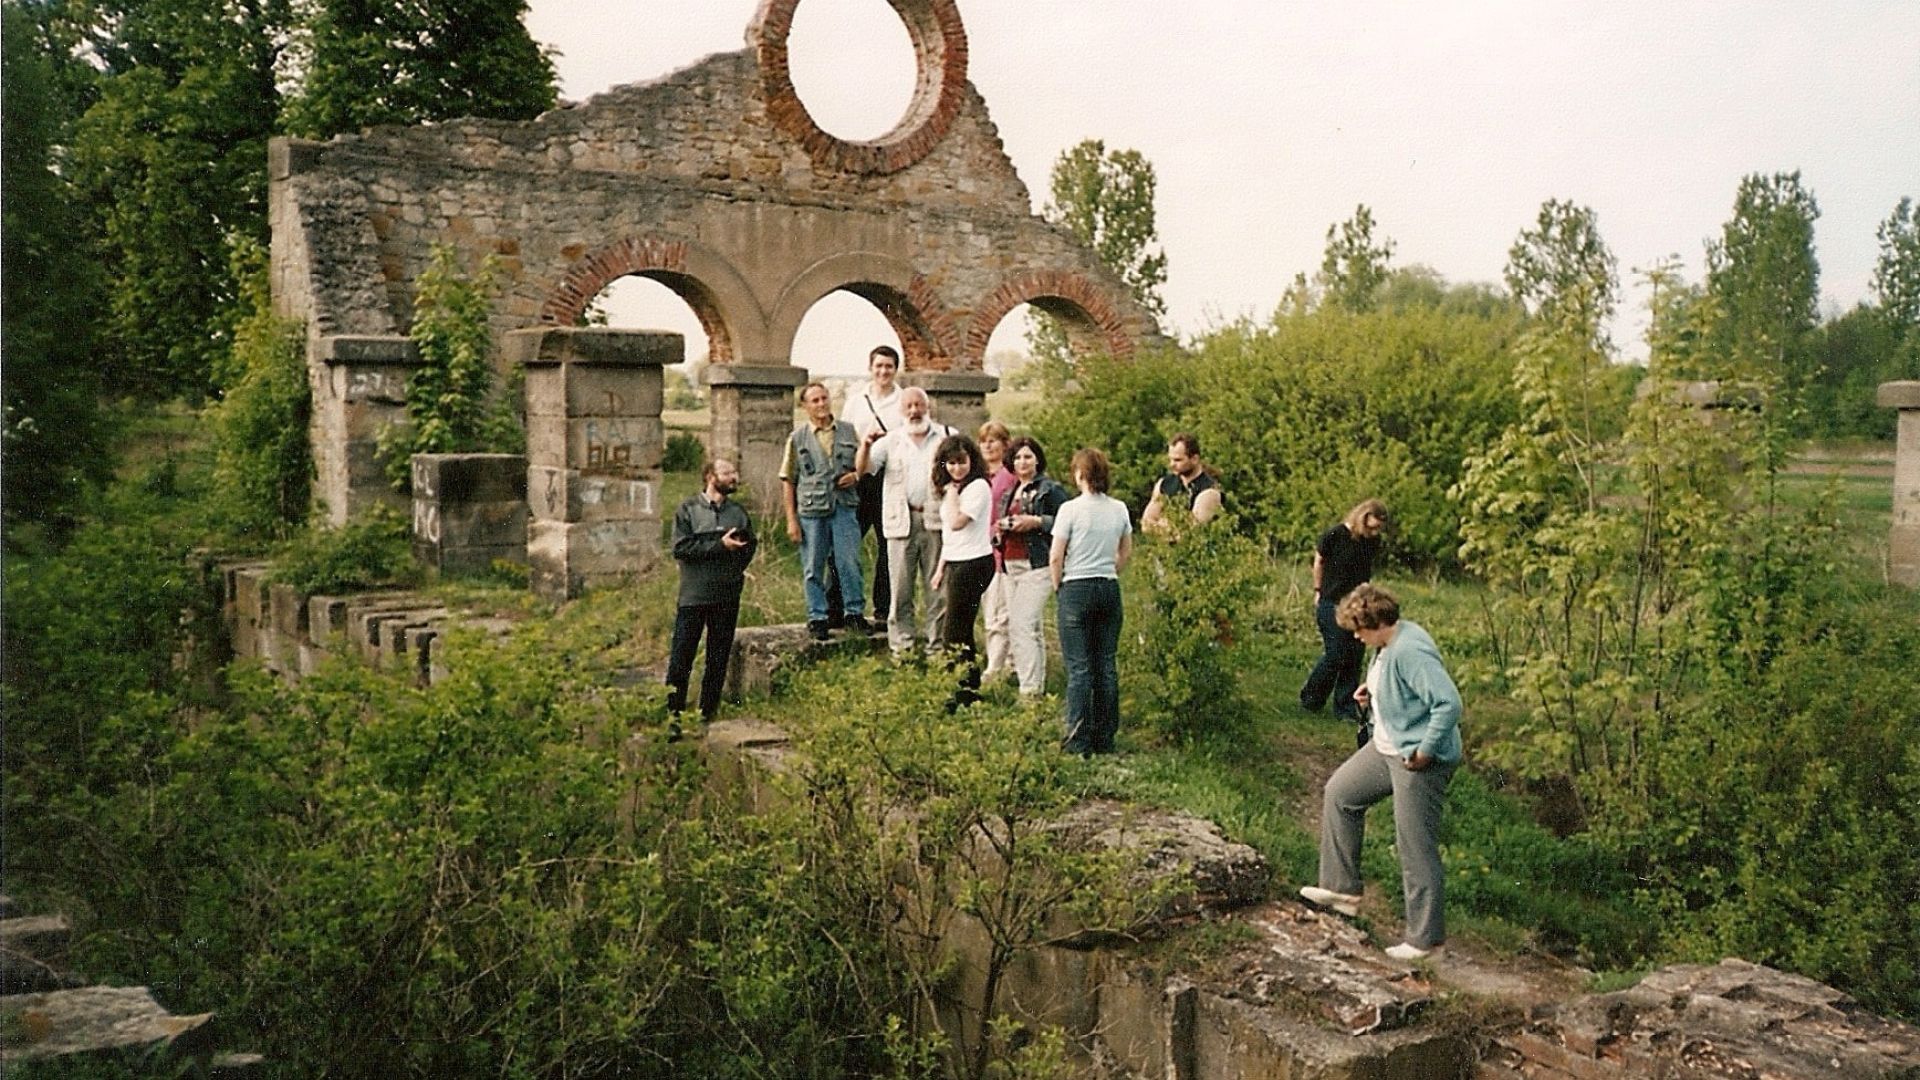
x=1903, y=542
x=594, y=444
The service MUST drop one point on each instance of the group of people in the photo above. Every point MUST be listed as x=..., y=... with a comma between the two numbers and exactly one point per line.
x=975, y=524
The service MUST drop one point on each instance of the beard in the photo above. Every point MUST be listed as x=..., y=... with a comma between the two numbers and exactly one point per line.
x=918, y=427
x=725, y=487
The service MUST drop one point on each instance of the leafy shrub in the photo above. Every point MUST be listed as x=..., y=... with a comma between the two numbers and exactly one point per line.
x=1308, y=415
x=685, y=453
x=1194, y=610
x=927, y=818
x=263, y=467
x=374, y=549
x=450, y=405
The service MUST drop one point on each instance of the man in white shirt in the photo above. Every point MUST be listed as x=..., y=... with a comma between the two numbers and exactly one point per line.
x=902, y=460
x=874, y=406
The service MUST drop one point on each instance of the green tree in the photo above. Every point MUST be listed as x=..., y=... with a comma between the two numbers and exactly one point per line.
x=371, y=62
x=1354, y=267
x=1765, y=281
x=170, y=160
x=1896, y=274
x=1104, y=198
x=1564, y=272
x=54, y=429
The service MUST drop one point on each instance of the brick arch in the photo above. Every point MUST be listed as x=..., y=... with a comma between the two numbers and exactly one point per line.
x=1087, y=308
x=929, y=337
x=710, y=286
x=940, y=56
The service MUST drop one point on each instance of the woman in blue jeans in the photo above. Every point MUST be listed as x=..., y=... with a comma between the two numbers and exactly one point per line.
x=1342, y=560
x=1092, y=538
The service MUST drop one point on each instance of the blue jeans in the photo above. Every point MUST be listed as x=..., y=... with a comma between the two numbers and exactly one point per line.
x=1337, y=674
x=1090, y=617
x=838, y=537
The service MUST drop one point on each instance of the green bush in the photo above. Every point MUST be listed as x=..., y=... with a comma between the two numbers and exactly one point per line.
x=1305, y=417
x=374, y=549
x=451, y=407
x=685, y=453
x=263, y=468
x=1195, y=605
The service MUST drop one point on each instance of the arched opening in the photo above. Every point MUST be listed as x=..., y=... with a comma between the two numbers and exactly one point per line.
x=859, y=97
x=1068, y=314
x=638, y=302
x=836, y=336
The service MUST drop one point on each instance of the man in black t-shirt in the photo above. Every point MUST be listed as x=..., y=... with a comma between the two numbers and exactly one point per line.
x=1187, y=483
x=1341, y=560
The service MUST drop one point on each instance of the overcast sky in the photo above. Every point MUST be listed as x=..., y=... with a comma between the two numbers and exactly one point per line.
x=1268, y=121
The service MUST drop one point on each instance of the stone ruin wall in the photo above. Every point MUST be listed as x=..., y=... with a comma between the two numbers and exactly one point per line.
x=711, y=180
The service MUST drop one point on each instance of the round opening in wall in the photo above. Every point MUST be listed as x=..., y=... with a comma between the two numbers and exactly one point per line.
x=868, y=108
x=853, y=67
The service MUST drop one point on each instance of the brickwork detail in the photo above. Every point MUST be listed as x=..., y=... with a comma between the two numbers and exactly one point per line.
x=940, y=53
x=1087, y=303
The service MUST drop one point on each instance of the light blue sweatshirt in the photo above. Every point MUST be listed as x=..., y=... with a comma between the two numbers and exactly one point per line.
x=1417, y=705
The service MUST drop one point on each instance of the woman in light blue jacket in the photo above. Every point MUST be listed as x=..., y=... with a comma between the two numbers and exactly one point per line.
x=1411, y=757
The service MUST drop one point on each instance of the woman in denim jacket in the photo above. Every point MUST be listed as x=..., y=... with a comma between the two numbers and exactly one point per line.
x=1023, y=533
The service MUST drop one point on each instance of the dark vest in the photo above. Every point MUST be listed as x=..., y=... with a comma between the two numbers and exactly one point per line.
x=814, y=472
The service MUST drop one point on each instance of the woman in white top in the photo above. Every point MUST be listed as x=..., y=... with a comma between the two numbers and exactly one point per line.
x=966, y=551
x=1092, y=539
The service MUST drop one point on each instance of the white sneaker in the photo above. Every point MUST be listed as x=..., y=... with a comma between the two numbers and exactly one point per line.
x=1409, y=953
x=1341, y=903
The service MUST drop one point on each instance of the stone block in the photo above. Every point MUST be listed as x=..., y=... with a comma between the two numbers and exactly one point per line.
x=594, y=345
x=567, y=558
x=33, y=953
x=326, y=620
x=417, y=648
x=605, y=446
x=761, y=652
x=570, y=495
x=289, y=612
x=470, y=478
x=250, y=622
x=94, y=1019
x=575, y=390
x=744, y=757
x=364, y=349
x=1898, y=395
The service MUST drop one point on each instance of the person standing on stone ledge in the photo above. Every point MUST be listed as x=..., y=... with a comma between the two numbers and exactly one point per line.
x=713, y=542
x=1411, y=758
x=822, y=499
x=874, y=407
x=910, y=528
x=1187, y=483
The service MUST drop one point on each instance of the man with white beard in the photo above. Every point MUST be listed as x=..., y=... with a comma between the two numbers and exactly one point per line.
x=903, y=459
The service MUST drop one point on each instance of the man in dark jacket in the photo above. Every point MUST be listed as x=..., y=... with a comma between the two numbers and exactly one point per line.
x=713, y=542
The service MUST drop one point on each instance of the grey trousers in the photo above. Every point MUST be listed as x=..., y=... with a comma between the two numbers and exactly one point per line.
x=910, y=563
x=1366, y=778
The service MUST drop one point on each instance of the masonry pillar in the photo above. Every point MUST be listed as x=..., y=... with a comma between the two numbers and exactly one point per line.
x=359, y=385
x=594, y=444
x=1903, y=543
x=959, y=397
x=752, y=416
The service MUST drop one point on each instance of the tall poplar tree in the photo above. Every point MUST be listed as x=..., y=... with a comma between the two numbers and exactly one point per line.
x=1105, y=199
x=1765, y=281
